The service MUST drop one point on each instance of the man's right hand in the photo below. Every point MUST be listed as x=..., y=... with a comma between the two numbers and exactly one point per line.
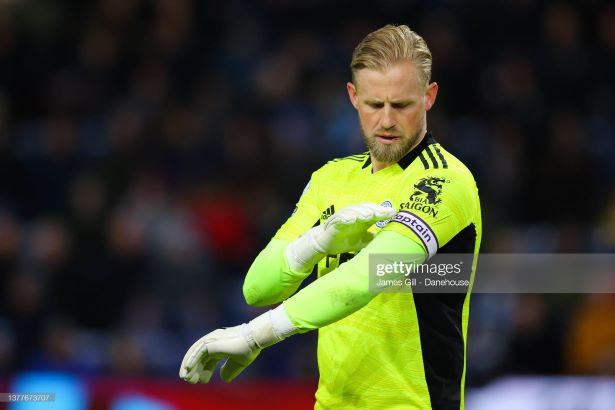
x=344, y=231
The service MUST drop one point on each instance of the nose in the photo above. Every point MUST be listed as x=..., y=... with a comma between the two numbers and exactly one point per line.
x=387, y=122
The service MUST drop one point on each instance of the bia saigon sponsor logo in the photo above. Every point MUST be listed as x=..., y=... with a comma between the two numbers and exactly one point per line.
x=381, y=224
x=425, y=197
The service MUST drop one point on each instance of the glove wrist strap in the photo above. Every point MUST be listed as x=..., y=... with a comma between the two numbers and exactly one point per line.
x=270, y=328
x=303, y=253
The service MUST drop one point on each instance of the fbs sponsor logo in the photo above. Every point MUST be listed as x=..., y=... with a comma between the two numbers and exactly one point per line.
x=381, y=224
x=426, y=196
x=326, y=214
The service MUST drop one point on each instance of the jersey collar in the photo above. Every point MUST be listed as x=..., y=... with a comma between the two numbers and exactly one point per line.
x=410, y=156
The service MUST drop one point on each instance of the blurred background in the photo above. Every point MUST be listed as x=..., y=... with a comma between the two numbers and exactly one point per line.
x=150, y=148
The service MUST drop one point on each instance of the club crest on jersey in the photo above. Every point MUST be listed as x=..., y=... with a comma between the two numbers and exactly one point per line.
x=426, y=196
x=381, y=224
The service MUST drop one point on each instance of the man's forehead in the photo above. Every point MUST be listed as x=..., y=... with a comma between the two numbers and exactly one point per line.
x=398, y=79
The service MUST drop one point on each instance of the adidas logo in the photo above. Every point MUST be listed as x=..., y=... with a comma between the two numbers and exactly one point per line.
x=327, y=213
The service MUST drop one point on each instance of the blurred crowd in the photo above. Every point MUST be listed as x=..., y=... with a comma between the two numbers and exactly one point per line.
x=150, y=148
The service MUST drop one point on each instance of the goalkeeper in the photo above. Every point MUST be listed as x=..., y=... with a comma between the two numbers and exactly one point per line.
x=406, y=195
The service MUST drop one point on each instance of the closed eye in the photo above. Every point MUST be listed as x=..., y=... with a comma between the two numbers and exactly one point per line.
x=400, y=105
x=395, y=105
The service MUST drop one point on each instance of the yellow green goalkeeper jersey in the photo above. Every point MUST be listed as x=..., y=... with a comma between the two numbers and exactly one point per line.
x=401, y=350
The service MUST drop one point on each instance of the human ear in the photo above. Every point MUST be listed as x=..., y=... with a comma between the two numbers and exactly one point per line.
x=430, y=95
x=352, y=94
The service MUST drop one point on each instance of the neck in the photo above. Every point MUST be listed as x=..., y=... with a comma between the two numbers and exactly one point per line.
x=380, y=165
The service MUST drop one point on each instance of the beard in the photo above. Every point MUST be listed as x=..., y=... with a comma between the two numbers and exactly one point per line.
x=392, y=153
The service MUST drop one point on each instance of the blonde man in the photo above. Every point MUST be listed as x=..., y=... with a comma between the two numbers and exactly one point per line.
x=406, y=196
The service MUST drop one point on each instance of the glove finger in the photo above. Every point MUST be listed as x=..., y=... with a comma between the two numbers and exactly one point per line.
x=384, y=212
x=199, y=351
x=192, y=356
x=353, y=214
x=364, y=213
x=208, y=370
x=344, y=217
x=377, y=212
x=233, y=367
x=193, y=375
x=361, y=215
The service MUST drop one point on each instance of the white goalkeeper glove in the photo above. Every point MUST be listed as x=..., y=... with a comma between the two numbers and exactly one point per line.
x=238, y=346
x=344, y=231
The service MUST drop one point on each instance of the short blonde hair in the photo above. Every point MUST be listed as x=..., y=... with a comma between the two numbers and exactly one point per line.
x=388, y=45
